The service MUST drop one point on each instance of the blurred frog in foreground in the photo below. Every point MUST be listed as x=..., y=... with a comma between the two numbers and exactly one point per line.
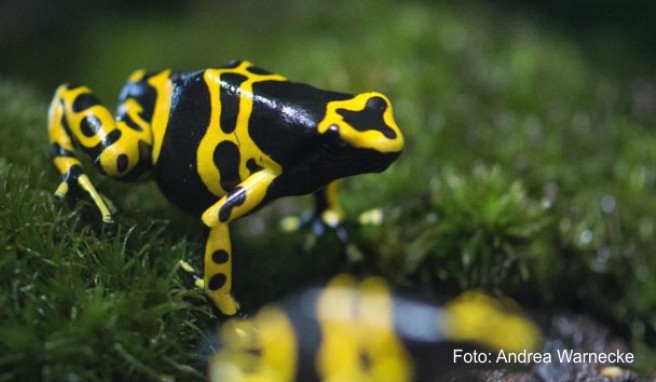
x=362, y=331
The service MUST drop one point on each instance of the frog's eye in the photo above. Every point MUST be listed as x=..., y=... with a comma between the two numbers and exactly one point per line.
x=333, y=138
x=333, y=130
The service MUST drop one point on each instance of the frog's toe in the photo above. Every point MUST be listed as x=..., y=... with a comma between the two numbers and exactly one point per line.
x=61, y=191
x=312, y=222
x=290, y=224
x=109, y=227
x=321, y=227
x=194, y=275
x=317, y=223
x=341, y=233
x=110, y=205
x=328, y=220
x=225, y=303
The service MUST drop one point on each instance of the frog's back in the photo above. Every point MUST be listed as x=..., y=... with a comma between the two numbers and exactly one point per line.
x=176, y=171
x=210, y=146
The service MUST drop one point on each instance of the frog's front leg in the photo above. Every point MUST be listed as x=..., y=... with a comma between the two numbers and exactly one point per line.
x=327, y=213
x=217, y=272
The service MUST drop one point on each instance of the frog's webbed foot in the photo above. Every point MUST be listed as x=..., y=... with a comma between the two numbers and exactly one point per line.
x=224, y=301
x=326, y=216
x=319, y=222
x=193, y=273
x=110, y=205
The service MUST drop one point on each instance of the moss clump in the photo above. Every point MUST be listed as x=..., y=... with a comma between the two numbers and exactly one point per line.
x=78, y=304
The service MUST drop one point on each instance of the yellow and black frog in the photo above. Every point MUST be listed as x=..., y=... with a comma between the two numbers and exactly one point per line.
x=221, y=143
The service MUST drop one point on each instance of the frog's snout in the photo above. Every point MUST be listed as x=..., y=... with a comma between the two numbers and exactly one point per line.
x=378, y=111
x=365, y=121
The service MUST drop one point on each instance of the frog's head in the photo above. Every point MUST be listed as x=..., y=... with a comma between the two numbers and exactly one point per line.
x=360, y=135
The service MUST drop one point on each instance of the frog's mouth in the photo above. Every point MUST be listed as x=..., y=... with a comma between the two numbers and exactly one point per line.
x=374, y=161
x=346, y=161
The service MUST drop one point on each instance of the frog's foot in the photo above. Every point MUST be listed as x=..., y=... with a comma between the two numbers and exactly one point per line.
x=195, y=275
x=326, y=216
x=110, y=205
x=76, y=177
x=318, y=223
x=327, y=220
x=223, y=301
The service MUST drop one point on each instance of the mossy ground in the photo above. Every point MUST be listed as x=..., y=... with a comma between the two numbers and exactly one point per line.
x=529, y=171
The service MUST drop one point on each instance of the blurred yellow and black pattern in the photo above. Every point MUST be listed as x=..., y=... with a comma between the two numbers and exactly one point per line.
x=362, y=331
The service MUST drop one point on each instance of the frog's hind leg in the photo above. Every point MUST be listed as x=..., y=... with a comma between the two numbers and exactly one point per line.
x=118, y=149
x=217, y=280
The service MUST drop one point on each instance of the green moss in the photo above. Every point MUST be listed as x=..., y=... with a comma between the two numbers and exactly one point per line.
x=77, y=304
